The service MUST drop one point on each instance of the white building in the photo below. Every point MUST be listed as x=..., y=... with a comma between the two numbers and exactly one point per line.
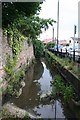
x=70, y=41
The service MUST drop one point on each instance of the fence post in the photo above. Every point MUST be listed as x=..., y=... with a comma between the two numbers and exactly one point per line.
x=61, y=53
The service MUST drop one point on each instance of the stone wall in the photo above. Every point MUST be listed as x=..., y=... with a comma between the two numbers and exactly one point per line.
x=0, y=48
x=0, y=66
x=5, y=49
x=25, y=56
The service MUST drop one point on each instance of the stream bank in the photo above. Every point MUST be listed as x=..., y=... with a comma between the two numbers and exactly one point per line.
x=37, y=85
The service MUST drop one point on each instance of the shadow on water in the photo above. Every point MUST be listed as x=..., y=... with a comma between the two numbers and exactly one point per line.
x=37, y=83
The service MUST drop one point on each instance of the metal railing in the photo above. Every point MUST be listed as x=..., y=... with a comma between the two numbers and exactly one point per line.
x=71, y=55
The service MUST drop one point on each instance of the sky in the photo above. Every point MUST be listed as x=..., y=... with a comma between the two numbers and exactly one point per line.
x=68, y=17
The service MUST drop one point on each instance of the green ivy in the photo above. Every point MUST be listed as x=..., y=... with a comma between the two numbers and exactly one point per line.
x=13, y=77
x=15, y=83
x=15, y=40
x=10, y=64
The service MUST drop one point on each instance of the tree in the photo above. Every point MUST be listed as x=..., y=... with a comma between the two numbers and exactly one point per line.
x=20, y=17
x=50, y=45
x=11, y=10
x=38, y=48
x=32, y=26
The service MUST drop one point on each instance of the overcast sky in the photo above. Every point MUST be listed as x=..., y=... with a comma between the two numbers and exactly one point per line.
x=68, y=17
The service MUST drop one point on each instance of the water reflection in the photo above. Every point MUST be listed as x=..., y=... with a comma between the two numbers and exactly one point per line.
x=49, y=110
x=30, y=96
x=45, y=80
x=38, y=70
x=37, y=81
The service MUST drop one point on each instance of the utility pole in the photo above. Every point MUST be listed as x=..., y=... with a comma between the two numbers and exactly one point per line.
x=53, y=33
x=74, y=43
x=57, y=25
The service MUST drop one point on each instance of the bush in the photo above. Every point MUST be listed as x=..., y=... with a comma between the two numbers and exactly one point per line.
x=62, y=89
x=38, y=48
x=50, y=45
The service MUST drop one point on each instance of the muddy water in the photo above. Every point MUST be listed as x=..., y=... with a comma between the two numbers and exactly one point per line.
x=37, y=84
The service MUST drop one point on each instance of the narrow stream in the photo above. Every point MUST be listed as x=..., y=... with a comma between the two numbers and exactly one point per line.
x=37, y=83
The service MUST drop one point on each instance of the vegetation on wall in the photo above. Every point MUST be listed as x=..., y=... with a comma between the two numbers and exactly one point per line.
x=13, y=77
x=66, y=63
x=21, y=19
x=15, y=40
x=61, y=89
x=21, y=22
x=32, y=26
x=59, y=86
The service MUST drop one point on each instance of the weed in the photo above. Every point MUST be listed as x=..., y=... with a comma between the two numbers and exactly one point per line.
x=65, y=62
x=62, y=89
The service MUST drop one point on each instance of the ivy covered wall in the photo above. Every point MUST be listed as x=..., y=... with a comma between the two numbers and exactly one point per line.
x=11, y=68
x=21, y=28
x=25, y=55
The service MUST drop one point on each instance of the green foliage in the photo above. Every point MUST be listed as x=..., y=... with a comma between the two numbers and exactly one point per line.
x=3, y=112
x=59, y=83
x=66, y=63
x=26, y=26
x=38, y=48
x=68, y=94
x=12, y=10
x=15, y=40
x=19, y=20
x=26, y=116
x=32, y=26
x=50, y=45
x=13, y=76
x=10, y=64
x=14, y=83
x=63, y=61
x=62, y=89
x=23, y=23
